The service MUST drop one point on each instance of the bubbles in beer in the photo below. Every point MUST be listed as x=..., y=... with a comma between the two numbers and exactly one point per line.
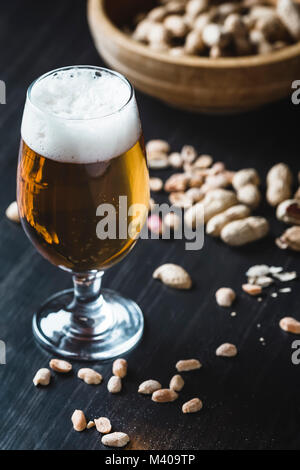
x=79, y=115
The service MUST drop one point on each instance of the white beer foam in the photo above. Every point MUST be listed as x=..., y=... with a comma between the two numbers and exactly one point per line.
x=79, y=115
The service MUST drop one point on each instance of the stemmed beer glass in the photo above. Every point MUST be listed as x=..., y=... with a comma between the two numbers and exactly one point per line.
x=83, y=196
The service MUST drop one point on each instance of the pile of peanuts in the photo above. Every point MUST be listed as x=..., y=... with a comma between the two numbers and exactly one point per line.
x=227, y=212
x=279, y=195
x=217, y=29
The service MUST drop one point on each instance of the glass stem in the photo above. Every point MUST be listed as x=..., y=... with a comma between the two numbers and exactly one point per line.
x=87, y=287
x=87, y=300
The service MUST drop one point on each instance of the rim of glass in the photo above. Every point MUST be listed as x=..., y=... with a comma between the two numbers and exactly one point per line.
x=91, y=67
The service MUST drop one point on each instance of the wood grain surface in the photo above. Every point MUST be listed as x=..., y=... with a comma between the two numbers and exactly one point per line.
x=251, y=401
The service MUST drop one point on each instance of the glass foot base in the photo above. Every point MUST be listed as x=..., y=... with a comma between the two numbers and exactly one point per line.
x=114, y=326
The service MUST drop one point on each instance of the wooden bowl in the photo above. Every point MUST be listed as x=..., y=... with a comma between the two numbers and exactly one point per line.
x=193, y=83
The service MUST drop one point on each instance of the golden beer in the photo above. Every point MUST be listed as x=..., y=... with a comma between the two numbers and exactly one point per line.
x=58, y=203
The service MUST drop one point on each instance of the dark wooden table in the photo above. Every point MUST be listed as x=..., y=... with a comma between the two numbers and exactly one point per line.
x=251, y=401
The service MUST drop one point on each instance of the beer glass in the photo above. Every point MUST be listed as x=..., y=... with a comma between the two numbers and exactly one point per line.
x=82, y=173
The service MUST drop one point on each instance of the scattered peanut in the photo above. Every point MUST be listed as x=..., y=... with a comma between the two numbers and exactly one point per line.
x=42, y=377
x=262, y=281
x=226, y=350
x=155, y=184
x=219, y=180
x=258, y=270
x=90, y=424
x=173, y=275
x=164, y=395
x=249, y=195
x=89, y=376
x=286, y=276
x=12, y=212
x=215, y=224
x=216, y=201
x=290, y=324
x=120, y=368
x=103, y=425
x=180, y=199
x=252, y=289
x=196, y=179
x=203, y=161
x=177, y=182
x=290, y=239
x=188, y=364
x=194, y=194
x=289, y=211
x=78, y=420
x=279, y=182
x=225, y=296
x=157, y=161
x=114, y=385
x=176, y=383
x=115, y=439
x=157, y=146
x=240, y=232
x=188, y=153
x=192, y=406
x=175, y=160
x=149, y=386
x=59, y=365
x=218, y=167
